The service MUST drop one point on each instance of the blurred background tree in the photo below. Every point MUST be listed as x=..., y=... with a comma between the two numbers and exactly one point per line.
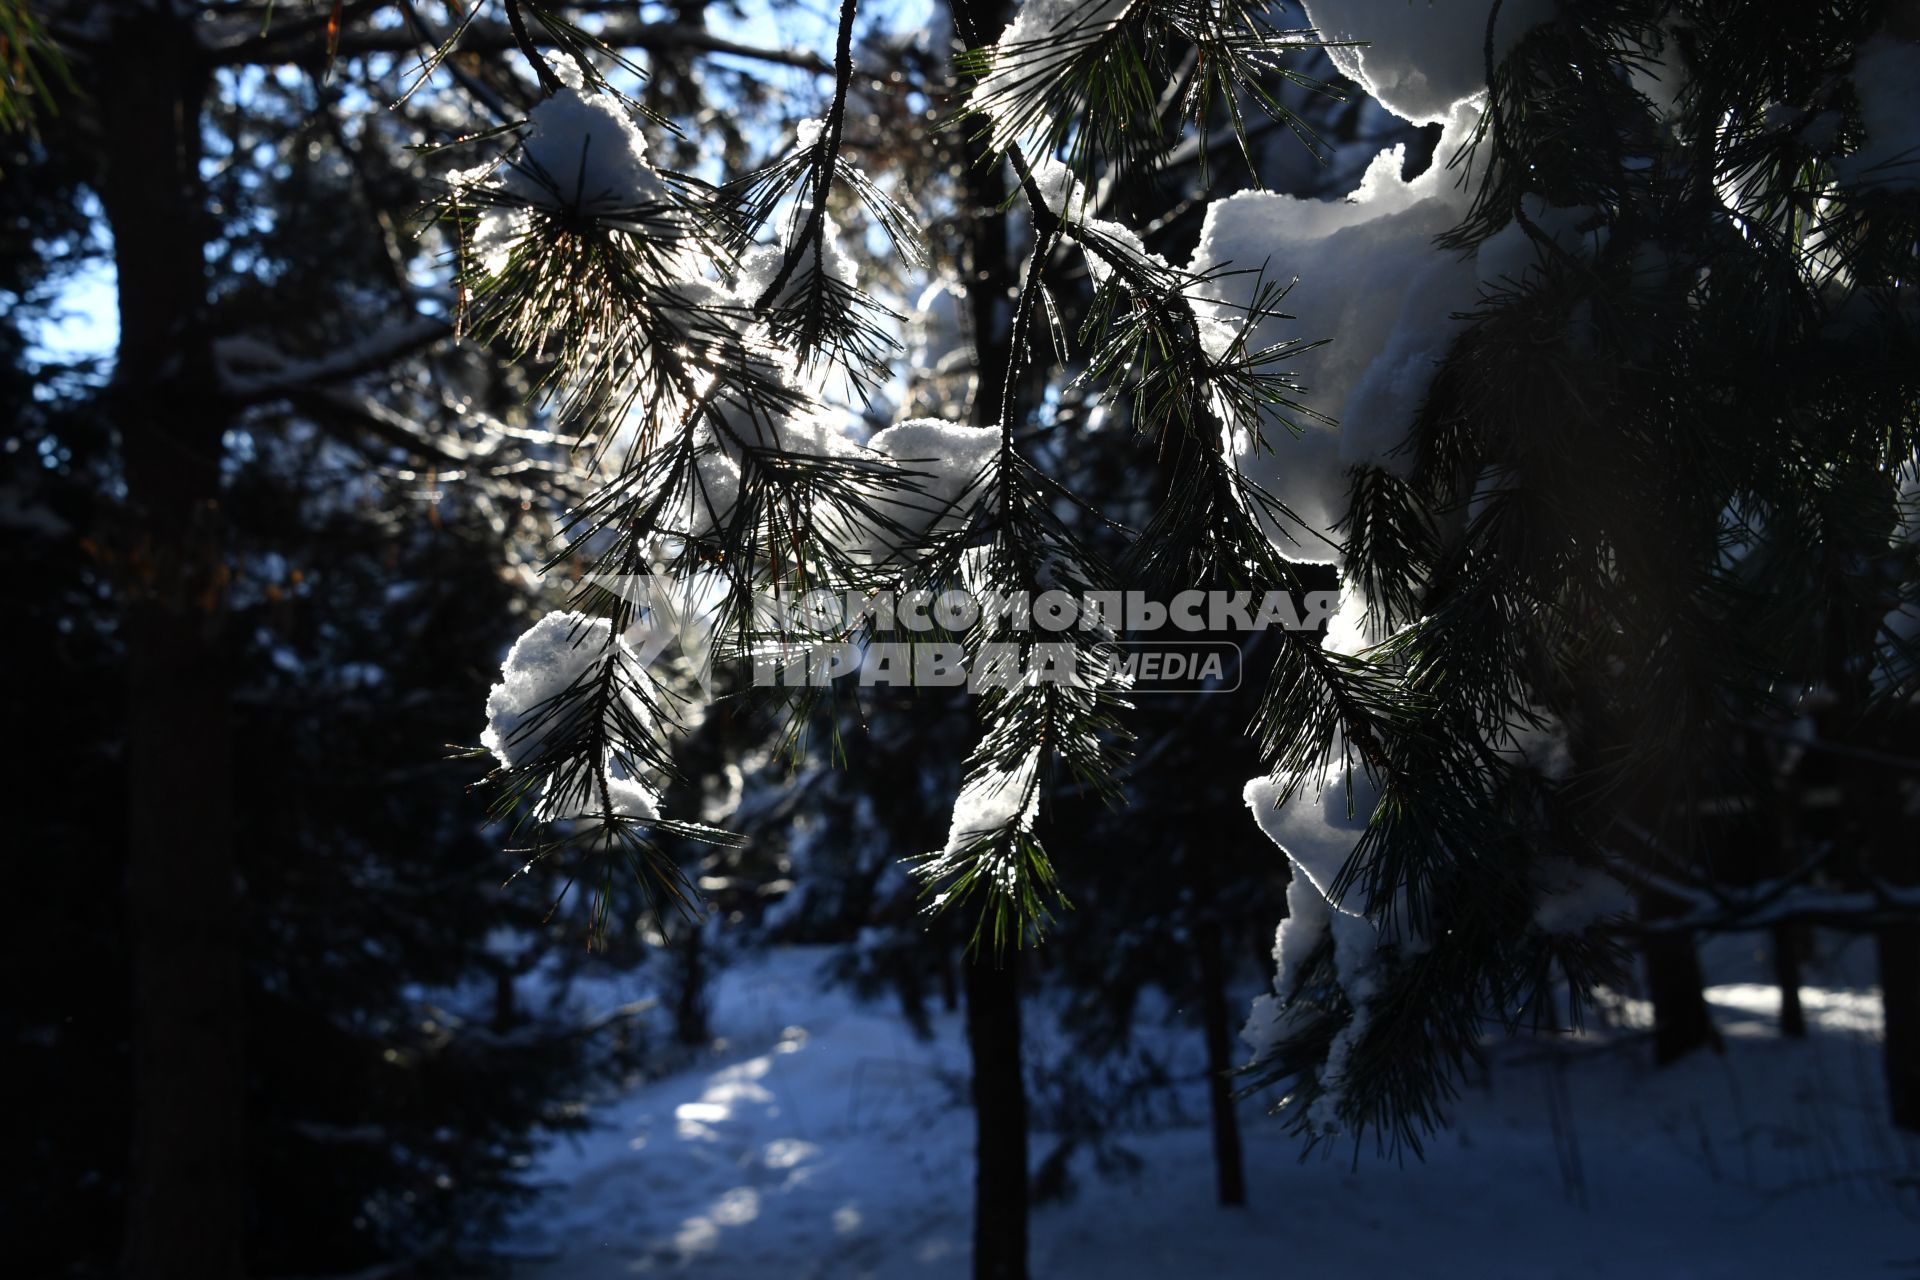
x=262, y=558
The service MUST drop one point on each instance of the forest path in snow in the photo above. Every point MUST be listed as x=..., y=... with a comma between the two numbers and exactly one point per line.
x=821, y=1139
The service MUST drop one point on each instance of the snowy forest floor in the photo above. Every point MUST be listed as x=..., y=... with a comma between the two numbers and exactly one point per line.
x=820, y=1138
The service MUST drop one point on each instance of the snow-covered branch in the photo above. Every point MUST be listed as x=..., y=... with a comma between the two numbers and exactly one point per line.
x=1860, y=909
x=253, y=371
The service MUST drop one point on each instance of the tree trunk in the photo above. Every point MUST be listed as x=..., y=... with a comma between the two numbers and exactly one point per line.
x=1777, y=839
x=690, y=1025
x=949, y=984
x=506, y=1004
x=1675, y=985
x=989, y=272
x=1786, y=975
x=1000, y=1118
x=1899, y=946
x=1893, y=858
x=1230, y=1178
x=992, y=982
x=186, y=1207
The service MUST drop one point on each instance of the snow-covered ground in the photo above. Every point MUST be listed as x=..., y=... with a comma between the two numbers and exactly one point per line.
x=820, y=1139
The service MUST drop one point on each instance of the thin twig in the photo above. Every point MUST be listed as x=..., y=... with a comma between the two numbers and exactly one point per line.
x=813, y=235
x=549, y=82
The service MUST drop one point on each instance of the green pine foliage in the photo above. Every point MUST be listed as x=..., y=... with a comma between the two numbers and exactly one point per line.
x=1651, y=493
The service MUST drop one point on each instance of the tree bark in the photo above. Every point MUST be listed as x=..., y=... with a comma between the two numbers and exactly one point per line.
x=1000, y=1118
x=1675, y=985
x=1891, y=845
x=949, y=984
x=1899, y=947
x=1229, y=1172
x=988, y=268
x=1776, y=837
x=690, y=1024
x=186, y=1208
x=1786, y=975
x=992, y=982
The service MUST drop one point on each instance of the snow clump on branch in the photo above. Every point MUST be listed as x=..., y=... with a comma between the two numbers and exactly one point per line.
x=1042, y=38
x=1420, y=58
x=549, y=681
x=584, y=154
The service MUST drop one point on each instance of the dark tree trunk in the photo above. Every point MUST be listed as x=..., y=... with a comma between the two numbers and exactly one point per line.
x=949, y=984
x=1877, y=821
x=1230, y=1178
x=186, y=1206
x=989, y=272
x=1895, y=860
x=1900, y=999
x=1676, y=985
x=506, y=1005
x=1786, y=975
x=690, y=1026
x=1777, y=839
x=1000, y=1119
x=992, y=983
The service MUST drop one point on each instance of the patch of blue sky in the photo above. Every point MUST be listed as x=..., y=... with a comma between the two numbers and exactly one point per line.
x=84, y=324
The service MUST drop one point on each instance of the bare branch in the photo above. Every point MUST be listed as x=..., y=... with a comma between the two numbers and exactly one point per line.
x=378, y=420
x=374, y=352
x=299, y=44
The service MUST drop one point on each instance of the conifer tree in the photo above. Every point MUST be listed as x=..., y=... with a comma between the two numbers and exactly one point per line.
x=1517, y=411
x=261, y=560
